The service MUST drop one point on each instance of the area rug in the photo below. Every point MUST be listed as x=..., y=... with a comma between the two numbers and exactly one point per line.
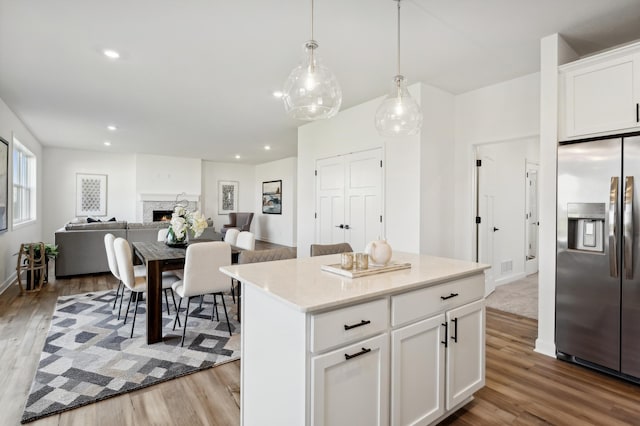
x=88, y=355
x=519, y=297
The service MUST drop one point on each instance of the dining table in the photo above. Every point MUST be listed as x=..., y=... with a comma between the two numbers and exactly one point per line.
x=158, y=257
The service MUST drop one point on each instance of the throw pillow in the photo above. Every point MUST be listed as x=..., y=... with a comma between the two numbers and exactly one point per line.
x=91, y=220
x=113, y=219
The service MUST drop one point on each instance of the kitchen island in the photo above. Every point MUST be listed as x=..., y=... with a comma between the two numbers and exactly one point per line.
x=401, y=347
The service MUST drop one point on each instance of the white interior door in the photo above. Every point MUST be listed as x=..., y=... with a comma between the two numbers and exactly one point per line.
x=349, y=199
x=330, y=201
x=363, y=189
x=532, y=222
x=487, y=228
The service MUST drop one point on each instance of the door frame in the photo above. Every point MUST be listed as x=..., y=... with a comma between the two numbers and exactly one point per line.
x=531, y=265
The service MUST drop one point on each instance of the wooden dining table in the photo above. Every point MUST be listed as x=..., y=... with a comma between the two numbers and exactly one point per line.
x=158, y=257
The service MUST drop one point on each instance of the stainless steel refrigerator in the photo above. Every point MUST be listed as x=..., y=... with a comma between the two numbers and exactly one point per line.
x=598, y=273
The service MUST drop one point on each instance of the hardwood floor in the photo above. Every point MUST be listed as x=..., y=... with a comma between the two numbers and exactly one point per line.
x=522, y=387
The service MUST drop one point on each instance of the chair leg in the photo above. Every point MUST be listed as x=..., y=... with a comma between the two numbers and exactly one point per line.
x=166, y=299
x=233, y=291
x=126, y=314
x=177, y=320
x=117, y=293
x=120, y=307
x=214, y=307
x=184, y=329
x=177, y=307
x=135, y=312
x=224, y=305
x=201, y=300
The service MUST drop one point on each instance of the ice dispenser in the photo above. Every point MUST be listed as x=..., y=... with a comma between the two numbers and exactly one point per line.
x=586, y=226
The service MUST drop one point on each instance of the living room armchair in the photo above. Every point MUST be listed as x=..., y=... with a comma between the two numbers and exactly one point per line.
x=239, y=221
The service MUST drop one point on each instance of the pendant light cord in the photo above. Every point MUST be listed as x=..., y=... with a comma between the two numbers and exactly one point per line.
x=398, y=36
x=312, y=20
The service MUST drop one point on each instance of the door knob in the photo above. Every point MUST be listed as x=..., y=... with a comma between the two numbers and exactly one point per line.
x=495, y=229
x=346, y=227
x=341, y=226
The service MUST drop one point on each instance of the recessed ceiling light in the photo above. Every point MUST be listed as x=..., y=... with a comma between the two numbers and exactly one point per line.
x=278, y=94
x=111, y=54
x=112, y=127
x=267, y=147
x=237, y=157
x=107, y=143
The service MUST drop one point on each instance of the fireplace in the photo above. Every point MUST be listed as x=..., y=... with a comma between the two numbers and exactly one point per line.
x=162, y=215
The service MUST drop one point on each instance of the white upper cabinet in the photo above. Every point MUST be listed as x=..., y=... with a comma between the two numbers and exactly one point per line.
x=601, y=94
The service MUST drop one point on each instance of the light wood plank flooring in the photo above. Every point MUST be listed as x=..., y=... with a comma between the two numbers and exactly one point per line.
x=523, y=387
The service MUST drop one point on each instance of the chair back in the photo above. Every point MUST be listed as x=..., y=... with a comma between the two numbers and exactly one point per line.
x=257, y=256
x=111, y=255
x=243, y=221
x=323, y=249
x=125, y=262
x=162, y=234
x=246, y=241
x=232, y=219
x=201, y=268
x=231, y=237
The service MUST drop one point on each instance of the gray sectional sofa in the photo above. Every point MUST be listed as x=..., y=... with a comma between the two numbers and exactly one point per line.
x=81, y=245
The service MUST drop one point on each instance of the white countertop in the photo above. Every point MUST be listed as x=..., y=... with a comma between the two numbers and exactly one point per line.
x=301, y=284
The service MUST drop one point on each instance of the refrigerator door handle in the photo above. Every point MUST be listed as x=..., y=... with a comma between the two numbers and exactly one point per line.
x=613, y=219
x=628, y=227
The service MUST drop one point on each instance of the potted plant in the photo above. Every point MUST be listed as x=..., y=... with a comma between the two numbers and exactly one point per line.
x=50, y=252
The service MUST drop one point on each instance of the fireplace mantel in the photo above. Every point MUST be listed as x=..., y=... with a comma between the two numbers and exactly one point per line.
x=150, y=202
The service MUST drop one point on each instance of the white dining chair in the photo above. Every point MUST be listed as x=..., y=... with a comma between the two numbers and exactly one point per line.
x=138, y=270
x=246, y=241
x=231, y=236
x=136, y=284
x=202, y=276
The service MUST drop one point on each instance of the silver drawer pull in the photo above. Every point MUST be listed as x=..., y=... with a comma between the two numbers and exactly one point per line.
x=360, y=324
x=362, y=352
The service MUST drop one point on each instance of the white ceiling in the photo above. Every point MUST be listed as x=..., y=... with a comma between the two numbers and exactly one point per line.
x=195, y=78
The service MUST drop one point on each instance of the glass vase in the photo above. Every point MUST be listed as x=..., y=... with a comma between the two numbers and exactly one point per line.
x=173, y=241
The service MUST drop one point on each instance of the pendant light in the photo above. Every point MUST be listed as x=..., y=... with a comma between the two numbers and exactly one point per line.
x=311, y=91
x=399, y=114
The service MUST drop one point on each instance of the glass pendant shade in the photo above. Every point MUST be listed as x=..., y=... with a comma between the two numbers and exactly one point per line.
x=311, y=92
x=399, y=114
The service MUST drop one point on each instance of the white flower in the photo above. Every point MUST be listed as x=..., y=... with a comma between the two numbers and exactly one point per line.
x=182, y=221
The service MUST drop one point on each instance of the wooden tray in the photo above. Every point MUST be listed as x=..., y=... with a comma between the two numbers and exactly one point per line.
x=372, y=270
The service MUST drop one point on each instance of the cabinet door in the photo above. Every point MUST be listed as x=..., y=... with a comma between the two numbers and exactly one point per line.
x=417, y=372
x=602, y=97
x=350, y=386
x=465, y=352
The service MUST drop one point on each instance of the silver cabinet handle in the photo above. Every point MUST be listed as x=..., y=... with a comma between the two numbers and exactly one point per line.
x=613, y=218
x=627, y=223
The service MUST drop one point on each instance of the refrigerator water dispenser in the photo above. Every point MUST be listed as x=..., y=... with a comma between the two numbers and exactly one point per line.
x=586, y=226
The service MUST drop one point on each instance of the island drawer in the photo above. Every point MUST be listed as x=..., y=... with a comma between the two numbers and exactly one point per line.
x=422, y=303
x=346, y=325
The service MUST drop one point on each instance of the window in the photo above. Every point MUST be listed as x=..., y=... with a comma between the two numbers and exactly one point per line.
x=24, y=184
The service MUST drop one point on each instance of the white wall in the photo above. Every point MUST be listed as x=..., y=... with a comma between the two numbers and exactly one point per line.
x=160, y=174
x=244, y=174
x=437, y=175
x=353, y=130
x=277, y=228
x=11, y=239
x=509, y=203
x=59, y=194
x=554, y=51
x=508, y=111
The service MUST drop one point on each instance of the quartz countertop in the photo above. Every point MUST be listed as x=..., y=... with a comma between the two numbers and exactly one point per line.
x=302, y=285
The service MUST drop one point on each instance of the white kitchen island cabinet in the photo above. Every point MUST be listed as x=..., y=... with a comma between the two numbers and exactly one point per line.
x=401, y=348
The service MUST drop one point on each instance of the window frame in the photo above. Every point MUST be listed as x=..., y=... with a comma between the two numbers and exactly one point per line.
x=25, y=170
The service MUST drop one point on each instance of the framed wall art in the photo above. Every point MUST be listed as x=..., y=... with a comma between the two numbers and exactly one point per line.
x=91, y=195
x=272, y=197
x=227, y=196
x=4, y=184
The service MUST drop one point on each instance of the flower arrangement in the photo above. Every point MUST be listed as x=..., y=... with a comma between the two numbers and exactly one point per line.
x=183, y=221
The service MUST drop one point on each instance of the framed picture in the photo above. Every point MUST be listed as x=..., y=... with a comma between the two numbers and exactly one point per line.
x=272, y=197
x=4, y=184
x=91, y=195
x=227, y=196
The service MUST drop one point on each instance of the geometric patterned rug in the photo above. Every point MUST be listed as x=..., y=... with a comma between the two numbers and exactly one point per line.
x=88, y=355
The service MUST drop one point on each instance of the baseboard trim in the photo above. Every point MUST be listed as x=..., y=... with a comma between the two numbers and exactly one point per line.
x=545, y=348
x=510, y=279
x=5, y=285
